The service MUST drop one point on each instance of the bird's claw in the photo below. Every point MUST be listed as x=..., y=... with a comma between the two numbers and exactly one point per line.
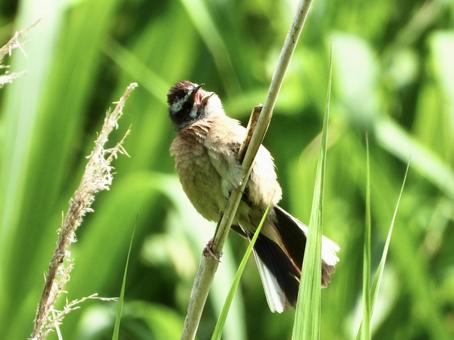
x=208, y=251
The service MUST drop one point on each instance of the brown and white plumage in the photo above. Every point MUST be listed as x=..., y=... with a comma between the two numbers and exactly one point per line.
x=205, y=150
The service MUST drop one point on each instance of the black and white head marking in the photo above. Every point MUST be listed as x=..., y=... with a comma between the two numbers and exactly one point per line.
x=186, y=102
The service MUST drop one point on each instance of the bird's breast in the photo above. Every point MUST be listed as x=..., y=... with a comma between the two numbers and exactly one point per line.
x=200, y=180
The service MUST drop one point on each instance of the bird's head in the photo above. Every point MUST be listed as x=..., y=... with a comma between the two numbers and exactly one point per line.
x=188, y=102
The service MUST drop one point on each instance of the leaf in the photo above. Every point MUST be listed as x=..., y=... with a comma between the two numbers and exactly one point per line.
x=121, y=299
x=308, y=308
x=365, y=330
x=378, y=276
x=396, y=141
x=217, y=333
x=202, y=20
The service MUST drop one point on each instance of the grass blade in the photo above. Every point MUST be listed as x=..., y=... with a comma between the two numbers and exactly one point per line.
x=202, y=20
x=121, y=298
x=308, y=308
x=376, y=282
x=379, y=273
x=217, y=333
x=137, y=69
x=398, y=142
x=365, y=329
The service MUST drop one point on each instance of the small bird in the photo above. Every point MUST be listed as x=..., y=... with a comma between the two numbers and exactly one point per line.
x=206, y=148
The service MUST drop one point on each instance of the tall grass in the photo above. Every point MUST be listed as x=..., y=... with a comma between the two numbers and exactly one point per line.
x=371, y=291
x=308, y=308
x=366, y=298
x=217, y=333
x=121, y=297
x=392, y=75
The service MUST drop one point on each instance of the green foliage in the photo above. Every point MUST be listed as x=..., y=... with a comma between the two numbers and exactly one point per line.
x=217, y=333
x=378, y=276
x=308, y=308
x=366, y=299
x=121, y=298
x=392, y=76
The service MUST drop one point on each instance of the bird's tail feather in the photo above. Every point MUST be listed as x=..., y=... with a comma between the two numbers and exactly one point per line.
x=280, y=278
x=293, y=233
x=280, y=268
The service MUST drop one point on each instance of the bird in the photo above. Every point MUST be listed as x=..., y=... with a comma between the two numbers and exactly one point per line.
x=205, y=149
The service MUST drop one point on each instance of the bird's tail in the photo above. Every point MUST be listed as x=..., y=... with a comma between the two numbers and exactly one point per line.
x=280, y=265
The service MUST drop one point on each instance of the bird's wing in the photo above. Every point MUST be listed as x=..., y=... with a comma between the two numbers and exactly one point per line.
x=223, y=159
x=223, y=144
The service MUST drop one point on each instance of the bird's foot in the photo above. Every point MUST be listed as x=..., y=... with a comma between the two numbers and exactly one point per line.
x=208, y=251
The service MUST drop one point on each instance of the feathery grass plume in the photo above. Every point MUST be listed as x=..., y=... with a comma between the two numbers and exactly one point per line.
x=7, y=49
x=97, y=177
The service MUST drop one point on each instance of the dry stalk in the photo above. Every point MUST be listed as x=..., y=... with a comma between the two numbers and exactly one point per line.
x=7, y=50
x=98, y=176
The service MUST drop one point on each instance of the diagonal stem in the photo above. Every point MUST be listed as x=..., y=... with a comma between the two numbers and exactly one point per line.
x=208, y=264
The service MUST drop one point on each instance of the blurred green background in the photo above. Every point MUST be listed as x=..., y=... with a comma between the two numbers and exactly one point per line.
x=393, y=74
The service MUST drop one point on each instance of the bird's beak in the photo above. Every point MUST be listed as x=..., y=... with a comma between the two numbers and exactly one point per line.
x=196, y=89
x=205, y=99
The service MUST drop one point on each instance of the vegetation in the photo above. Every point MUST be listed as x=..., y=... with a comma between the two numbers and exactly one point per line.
x=392, y=76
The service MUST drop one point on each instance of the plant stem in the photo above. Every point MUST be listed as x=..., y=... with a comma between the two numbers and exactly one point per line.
x=98, y=176
x=209, y=264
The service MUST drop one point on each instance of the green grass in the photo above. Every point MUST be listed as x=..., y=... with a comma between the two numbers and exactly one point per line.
x=392, y=76
x=121, y=298
x=217, y=333
x=307, y=322
x=371, y=291
x=366, y=298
